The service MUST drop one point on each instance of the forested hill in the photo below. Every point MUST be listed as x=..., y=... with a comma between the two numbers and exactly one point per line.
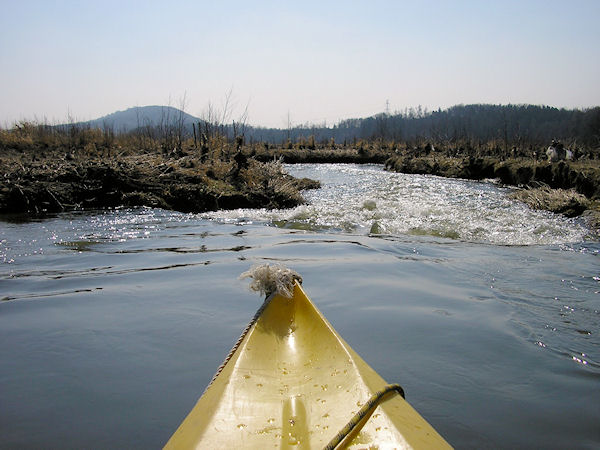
x=510, y=123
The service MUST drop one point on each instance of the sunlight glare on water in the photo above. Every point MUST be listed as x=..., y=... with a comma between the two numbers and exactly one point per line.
x=120, y=317
x=369, y=200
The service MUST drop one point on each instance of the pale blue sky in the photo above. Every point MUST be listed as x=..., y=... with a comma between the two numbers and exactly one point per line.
x=318, y=60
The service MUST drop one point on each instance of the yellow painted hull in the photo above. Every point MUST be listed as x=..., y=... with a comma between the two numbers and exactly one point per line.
x=293, y=382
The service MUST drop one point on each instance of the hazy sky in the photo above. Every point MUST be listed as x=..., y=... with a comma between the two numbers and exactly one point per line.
x=316, y=61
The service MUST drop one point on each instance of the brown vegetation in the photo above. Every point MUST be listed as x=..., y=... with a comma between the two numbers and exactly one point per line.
x=374, y=155
x=45, y=169
x=560, y=201
x=583, y=176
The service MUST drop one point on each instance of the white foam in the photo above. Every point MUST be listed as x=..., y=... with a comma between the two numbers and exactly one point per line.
x=366, y=199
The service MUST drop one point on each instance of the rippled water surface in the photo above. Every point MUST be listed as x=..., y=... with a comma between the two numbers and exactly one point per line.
x=366, y=199
x=113, y=322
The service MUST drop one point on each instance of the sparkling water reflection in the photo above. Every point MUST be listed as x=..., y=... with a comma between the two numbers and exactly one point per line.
x=367, y=199
x=113, y=322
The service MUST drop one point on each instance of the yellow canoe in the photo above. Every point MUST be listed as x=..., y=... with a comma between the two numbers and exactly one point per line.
x=293, y=382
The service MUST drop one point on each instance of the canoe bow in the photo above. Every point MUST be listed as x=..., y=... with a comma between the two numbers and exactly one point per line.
x=293, y=382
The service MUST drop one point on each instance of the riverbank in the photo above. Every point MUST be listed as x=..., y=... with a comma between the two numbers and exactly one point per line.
x=38, y=181
x=327, y=155
x=47, y=177
x=571, y=188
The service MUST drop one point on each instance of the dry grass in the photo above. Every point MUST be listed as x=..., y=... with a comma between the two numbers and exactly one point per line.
x=42, y=179
x=271, y=179
x=560, y=201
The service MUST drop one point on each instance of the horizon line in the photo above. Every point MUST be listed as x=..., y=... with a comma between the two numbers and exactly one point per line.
x=426, y=111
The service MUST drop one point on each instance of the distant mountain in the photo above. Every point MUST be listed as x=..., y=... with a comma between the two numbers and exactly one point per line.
x=141, y=116
x=507, y=124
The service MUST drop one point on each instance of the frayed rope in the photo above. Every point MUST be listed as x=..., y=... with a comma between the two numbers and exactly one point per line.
x=268, y=279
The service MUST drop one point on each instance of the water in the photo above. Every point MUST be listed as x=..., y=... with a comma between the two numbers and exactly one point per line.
x=366, y=199
x=113, y=322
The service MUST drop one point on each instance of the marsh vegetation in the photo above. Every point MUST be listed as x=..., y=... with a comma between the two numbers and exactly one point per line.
x=193, y=165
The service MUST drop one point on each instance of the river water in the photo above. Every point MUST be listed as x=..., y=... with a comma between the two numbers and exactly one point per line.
x=487, y=313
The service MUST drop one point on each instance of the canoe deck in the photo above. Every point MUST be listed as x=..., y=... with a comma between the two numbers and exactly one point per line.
x=293, y=382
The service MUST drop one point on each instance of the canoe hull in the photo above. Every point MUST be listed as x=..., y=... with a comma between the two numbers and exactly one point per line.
x=294, y=382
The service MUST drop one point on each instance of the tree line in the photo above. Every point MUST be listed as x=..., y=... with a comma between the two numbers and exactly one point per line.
x=510, y=125
x=503, y=127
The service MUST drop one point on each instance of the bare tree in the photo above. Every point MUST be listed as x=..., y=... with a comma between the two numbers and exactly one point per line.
x=239, y=128
x=180, y=122
x=166, y=128
x=217, y=123
x=108, y=133
x=227, y=107
x=138, y=131
x=209, y=117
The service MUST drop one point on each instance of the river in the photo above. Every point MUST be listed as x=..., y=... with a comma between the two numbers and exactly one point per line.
x=486, y=312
